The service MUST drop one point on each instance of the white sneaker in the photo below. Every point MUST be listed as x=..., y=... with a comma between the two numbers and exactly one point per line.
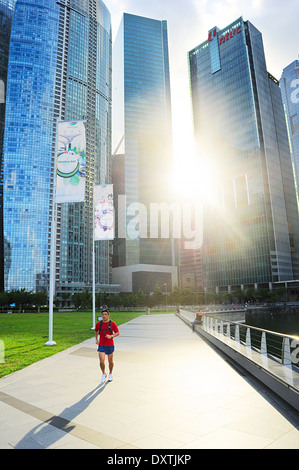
x=110, y=378
x=104, y=376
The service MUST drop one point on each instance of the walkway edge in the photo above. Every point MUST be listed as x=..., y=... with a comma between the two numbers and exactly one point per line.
x=289, y=395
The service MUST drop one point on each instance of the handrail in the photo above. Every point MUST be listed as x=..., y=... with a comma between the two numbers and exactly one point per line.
x=256, y=328
x=276, y=353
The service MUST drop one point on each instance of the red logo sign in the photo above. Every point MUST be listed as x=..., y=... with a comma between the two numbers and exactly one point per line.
x=214, y=34
x=226, y=37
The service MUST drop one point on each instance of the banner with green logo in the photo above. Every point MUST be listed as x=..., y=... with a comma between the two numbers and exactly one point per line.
x=71, y=162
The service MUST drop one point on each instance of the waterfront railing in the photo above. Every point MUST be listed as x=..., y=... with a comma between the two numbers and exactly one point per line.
x=275, y=353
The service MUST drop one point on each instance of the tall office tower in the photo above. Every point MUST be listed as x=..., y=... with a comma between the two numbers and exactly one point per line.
x=142, y=150
x=251, y=233
x=6, y=15
x=84, y=82
x=59, y=68
x=29, y=143
x=190, y=270
x=289, y=84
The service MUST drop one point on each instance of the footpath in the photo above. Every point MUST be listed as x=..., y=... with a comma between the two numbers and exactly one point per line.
x=171, y=390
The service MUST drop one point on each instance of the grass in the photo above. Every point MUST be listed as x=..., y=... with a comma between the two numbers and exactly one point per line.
x=24, y=335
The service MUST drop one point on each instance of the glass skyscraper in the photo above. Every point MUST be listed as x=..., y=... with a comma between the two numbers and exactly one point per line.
x=29, y=144
x=142, y=136
x=251, y=234
x=6, y=15
x=84, y=86
x=59, y=69
x=289, y=83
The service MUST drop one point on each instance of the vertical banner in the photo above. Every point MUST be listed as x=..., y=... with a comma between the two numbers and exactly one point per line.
x=71, y=162
x=103, y=212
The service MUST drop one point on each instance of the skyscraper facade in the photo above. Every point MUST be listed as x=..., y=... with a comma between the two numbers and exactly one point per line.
x=29, y=143
x=84, y=85
x=251, y=232
x=289, y=84
x=6, y=15
x=142, y=148
x=59, y=69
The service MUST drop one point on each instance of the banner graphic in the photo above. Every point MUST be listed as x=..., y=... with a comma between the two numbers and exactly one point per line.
x=103, y=212
x=71, y=162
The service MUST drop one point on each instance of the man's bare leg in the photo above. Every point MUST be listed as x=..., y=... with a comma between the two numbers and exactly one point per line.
x=102, y=365
x=102, y=361
x=111, y=365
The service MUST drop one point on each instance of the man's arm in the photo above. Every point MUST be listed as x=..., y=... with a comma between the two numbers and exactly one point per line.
x=115, y=332
x=112, y=336
x=96, y=333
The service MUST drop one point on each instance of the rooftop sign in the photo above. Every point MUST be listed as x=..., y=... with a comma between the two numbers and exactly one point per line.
x=226, y=36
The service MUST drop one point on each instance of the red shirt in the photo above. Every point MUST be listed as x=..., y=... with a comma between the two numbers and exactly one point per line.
x=105, y=330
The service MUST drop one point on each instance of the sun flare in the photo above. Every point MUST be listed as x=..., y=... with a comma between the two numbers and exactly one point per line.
x=196, y=177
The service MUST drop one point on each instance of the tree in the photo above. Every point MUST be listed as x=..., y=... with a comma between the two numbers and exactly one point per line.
x=250, y=294
x=3, y=299
x=158, y=297
x=39, y=298
x=188, y=297
x=76, y=299
x=226, y=298
x=261, y=295
x=65, y=298
x=271, y=297
x=86, y=298
x=175, y=296
x=238, y=295
x=140, y=298
x=20, y=297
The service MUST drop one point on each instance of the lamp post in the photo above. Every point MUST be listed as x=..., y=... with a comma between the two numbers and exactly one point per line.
x=166, y=295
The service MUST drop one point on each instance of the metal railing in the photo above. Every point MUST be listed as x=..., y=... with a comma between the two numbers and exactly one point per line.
x=276, y=353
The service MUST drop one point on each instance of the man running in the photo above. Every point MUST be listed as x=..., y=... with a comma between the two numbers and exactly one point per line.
x=104, y=339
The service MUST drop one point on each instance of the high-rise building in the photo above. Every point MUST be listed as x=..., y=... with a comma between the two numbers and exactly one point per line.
x=29, y=144
x=6, y=15
x=59, y=69
x=251, y=234
x=190, y=270
x=84, y=85
x=142, y=150
x=289, y=84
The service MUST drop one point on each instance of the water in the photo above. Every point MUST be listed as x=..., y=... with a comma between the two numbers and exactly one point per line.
x=285, y=323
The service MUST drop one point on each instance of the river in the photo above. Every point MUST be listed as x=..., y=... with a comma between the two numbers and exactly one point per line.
x=286, y=323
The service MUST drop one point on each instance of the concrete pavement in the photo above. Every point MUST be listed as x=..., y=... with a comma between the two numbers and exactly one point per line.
x=171, y=390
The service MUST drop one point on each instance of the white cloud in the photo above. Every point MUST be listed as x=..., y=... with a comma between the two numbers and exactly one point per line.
x=257, y=4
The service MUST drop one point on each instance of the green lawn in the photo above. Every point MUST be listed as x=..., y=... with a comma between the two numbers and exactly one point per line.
x=24, y=335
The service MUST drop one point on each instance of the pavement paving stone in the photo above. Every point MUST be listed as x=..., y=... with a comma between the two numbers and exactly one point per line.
x=171, y=390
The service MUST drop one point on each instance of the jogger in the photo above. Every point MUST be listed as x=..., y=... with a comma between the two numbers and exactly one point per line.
x=105, y=331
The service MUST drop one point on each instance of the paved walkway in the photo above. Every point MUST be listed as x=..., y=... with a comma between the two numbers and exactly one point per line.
x=171, y=390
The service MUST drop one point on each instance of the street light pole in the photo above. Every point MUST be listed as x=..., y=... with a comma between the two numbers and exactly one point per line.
x=166, y=295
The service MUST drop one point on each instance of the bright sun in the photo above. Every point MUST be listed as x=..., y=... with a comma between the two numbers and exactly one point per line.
x=195, y=176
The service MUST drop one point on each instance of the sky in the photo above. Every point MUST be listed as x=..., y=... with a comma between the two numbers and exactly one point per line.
x=188, y=24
